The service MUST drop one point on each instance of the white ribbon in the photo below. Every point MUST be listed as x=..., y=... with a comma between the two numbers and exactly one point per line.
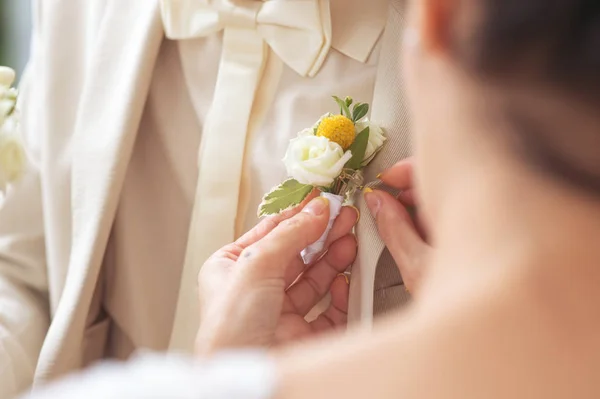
x=299, y=32
x=313, y=251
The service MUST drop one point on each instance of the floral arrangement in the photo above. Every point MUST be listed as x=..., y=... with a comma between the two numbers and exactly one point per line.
x=328, y=157
x=12, y=154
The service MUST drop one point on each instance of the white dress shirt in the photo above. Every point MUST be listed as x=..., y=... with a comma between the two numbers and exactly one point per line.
x=159, y=188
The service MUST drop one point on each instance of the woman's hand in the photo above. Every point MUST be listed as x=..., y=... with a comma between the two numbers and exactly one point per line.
x=403, y=235
x=257, y=291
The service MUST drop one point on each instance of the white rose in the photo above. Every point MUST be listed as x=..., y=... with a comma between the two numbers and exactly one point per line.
x=315, y=160
x=306, y=132
x=376, y=137
x=12, y=154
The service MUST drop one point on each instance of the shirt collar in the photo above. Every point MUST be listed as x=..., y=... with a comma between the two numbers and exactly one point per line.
x=357, y=25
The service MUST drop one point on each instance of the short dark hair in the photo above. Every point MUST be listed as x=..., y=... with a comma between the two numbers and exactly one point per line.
x=552, y=43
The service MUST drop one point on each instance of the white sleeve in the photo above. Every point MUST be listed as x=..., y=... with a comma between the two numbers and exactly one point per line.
x=243, y=375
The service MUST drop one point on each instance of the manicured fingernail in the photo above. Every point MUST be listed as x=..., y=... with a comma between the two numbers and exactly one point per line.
x=345, y=277
x=317, y=206
x=373, y=201
x=357, y=213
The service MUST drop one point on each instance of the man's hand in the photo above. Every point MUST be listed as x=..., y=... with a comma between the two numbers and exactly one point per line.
x=402, y=234
x=257, y=291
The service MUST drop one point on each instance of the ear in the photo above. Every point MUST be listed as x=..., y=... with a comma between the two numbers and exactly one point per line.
x=436, y=23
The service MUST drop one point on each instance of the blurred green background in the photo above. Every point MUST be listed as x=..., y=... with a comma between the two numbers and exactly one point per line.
x=15, y=33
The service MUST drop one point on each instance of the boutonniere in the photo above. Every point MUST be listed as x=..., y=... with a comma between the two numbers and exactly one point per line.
x=12, y=153
x=329, y=157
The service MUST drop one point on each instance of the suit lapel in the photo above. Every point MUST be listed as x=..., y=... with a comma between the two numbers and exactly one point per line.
x=108, y=118
x=389, y=111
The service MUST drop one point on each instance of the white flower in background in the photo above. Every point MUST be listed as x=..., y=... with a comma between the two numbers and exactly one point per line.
x=8, y=99
x=315, y=160
x=376, y=138
x=8, y=96
x=12, y=153
x=7, y=76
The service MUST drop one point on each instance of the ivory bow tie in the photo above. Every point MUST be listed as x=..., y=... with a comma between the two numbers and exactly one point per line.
x=299, y=32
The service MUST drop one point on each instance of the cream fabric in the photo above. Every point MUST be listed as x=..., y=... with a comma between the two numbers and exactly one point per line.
x=295, y=32
x=141, y=285
x=87, y=116
x=389, y=110
x=299, y=33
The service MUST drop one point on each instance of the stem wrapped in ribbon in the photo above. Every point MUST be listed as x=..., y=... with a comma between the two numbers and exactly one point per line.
x=329, y=157
x=313, y=251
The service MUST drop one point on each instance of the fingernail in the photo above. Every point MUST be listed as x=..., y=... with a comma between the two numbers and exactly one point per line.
x=357, y=213
x=317, y=206
x=373, y=201
x=378, y=176
x=345, y=277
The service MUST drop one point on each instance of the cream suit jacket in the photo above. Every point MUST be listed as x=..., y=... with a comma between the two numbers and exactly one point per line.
x=80, y=115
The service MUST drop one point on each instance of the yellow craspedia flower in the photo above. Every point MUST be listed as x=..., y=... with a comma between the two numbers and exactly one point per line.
x=338, y=129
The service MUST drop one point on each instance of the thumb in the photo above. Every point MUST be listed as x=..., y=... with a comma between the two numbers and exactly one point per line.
x=399, y=234
x=275, y=252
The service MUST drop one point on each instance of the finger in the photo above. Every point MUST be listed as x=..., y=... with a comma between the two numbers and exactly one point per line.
x=271, y=256
x=407, y=197
x=421, y=226
x=342, y=226
x=400, y=175
x=268, y=224
x=232, y=251
x=314, y=284
x=399, y=234
x=340, y=292
x=336, y=315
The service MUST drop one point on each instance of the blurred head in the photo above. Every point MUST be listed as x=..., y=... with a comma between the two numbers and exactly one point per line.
x=512, y=83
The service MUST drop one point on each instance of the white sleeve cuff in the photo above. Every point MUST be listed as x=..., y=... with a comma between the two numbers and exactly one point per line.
x=236, y=375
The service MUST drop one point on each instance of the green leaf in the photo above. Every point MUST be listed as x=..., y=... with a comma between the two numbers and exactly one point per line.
x=360, y=111
x=358, y=149
x=288, y=194
x=343, y=107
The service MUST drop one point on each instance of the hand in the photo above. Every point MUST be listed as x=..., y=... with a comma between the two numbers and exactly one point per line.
x=403, y=235
x=257, y=291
